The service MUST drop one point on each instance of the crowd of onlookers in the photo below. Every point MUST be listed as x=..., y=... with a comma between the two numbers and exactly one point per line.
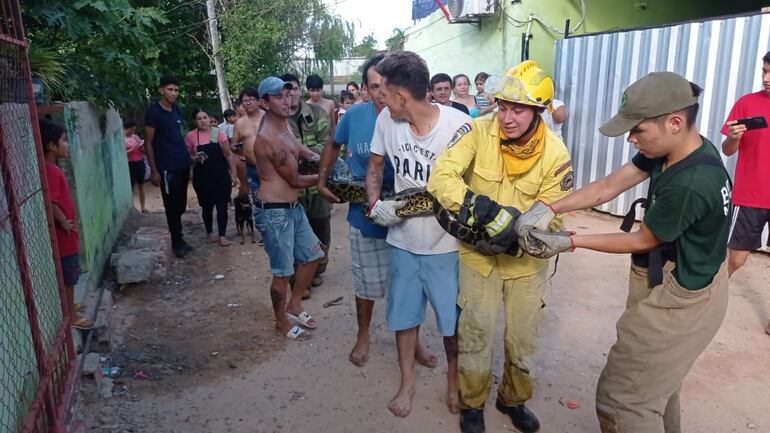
x=231, y=168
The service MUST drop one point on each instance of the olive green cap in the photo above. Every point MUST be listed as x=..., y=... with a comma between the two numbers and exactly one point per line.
x=654, y=95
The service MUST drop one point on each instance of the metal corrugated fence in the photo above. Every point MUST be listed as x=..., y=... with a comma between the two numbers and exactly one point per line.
x=724, y=56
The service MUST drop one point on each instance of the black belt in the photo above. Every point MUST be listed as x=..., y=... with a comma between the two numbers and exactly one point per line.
x=285, y=205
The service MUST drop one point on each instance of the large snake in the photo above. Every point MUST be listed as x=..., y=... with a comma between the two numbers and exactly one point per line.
x=418, y=202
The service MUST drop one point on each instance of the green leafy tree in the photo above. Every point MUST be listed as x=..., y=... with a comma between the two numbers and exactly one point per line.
x=265, y=37
x=366, y=48
x=106, y=46
x=396, y=41
x=111, y=52
x=185, y=53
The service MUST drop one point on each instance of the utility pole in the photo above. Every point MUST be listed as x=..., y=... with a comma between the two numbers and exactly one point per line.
x=224, y=95
x=331, y=79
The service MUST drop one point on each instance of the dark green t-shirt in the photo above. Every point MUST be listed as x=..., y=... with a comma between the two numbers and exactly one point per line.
x=692, y=210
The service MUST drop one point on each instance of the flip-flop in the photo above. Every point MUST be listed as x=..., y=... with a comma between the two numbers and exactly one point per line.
x=303, y=319
x=82, y=323
x=298, y=334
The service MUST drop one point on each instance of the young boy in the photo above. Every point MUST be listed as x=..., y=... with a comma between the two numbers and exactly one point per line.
x=55, y=146
x=346, y=100
x=135, y=152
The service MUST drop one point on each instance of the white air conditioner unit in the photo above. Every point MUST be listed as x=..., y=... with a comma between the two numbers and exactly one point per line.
x=463, y=9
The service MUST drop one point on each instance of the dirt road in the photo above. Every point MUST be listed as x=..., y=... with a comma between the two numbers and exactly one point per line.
x=215, y=365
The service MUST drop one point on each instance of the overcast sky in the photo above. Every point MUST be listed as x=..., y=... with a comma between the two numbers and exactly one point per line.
x=373, y=16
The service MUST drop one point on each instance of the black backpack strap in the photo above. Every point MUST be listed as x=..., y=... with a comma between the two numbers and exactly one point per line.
x=702, y=159
x=630, y=218
x=655, y=259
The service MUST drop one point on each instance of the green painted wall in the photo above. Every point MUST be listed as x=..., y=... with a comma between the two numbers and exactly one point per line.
x=495, y=44
x=97, y=170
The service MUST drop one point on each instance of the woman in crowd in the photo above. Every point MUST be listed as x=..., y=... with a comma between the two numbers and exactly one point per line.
x=212, y=179
x=461, y=90
x=355, y=89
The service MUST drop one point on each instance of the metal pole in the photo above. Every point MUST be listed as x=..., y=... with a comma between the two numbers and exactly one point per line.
x=224, y=95
x=566, y=29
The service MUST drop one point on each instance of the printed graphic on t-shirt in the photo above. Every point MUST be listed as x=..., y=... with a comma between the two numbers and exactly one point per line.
x=412, y=157
x=412, y=162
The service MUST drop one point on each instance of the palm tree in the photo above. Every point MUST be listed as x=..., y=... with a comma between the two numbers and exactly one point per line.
x=396, y=41
x=46, y=65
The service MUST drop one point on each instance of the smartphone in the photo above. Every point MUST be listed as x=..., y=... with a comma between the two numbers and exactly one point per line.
x=757, y=122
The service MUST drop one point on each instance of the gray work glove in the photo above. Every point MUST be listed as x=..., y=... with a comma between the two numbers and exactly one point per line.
x=538, y=216
x=544, y=244
x=383, y=212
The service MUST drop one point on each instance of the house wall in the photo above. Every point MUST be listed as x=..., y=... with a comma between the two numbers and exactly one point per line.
x=495, y=44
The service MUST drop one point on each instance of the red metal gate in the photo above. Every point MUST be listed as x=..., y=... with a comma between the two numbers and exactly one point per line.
x=36, y=351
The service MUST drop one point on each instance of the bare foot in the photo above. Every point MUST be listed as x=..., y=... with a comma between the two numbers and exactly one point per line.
x=213, y=237
x=360, y=353
x=424, y=357
x=224, y=242
x=453, y=393
x=401, y=404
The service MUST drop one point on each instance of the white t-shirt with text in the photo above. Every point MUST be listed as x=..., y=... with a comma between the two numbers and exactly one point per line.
x=412, y=158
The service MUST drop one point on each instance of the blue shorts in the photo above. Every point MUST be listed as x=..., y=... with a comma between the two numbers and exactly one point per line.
x=288, y=238
x=416, y=280
x=70, y=269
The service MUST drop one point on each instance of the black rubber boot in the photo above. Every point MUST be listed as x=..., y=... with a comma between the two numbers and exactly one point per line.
x=472, y=420
x=521, y=417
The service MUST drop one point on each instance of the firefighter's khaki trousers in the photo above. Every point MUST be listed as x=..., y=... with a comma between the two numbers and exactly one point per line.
x=479, y=300
x=661, y=333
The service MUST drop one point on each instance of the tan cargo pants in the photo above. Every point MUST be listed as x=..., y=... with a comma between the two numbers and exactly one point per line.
x=661, y=333
x=479, y=300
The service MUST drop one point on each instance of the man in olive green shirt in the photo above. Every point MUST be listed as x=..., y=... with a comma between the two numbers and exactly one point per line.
x=311, y=127
x=677, y=294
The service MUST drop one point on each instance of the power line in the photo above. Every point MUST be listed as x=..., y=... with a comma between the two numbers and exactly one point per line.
x=447, y=40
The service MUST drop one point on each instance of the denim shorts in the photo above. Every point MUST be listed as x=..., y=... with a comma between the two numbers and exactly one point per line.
x=288, y=238
x=417, y=279
x=70, y=269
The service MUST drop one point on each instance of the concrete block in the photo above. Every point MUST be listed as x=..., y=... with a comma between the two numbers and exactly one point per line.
x=92, y=365
x=135, y=266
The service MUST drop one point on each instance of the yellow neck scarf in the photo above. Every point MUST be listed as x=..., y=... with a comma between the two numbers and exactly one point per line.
x=519, y=159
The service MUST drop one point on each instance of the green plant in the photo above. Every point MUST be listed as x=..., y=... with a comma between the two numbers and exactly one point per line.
x=46, y=65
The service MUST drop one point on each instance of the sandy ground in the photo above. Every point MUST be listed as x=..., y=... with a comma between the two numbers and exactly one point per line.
x=215, y=365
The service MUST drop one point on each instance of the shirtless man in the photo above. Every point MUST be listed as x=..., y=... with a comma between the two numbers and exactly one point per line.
x=278, y=215
x=315, y=88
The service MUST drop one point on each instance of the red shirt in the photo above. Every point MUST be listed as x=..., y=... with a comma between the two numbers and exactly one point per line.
x=59, y=192
x=752, y=173
x=133, y=145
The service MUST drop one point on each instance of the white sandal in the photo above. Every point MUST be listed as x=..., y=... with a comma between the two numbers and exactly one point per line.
x=297, y=333
x=303, y=319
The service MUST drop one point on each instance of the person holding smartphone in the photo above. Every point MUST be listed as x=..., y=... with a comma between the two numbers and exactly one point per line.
x=750, y=137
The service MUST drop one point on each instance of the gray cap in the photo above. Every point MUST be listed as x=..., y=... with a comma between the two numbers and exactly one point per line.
x=654, y=95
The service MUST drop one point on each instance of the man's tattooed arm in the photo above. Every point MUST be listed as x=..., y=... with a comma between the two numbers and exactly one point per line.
x=374, y=173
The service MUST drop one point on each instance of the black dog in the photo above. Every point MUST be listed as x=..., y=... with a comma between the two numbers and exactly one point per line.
x=244, y=216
